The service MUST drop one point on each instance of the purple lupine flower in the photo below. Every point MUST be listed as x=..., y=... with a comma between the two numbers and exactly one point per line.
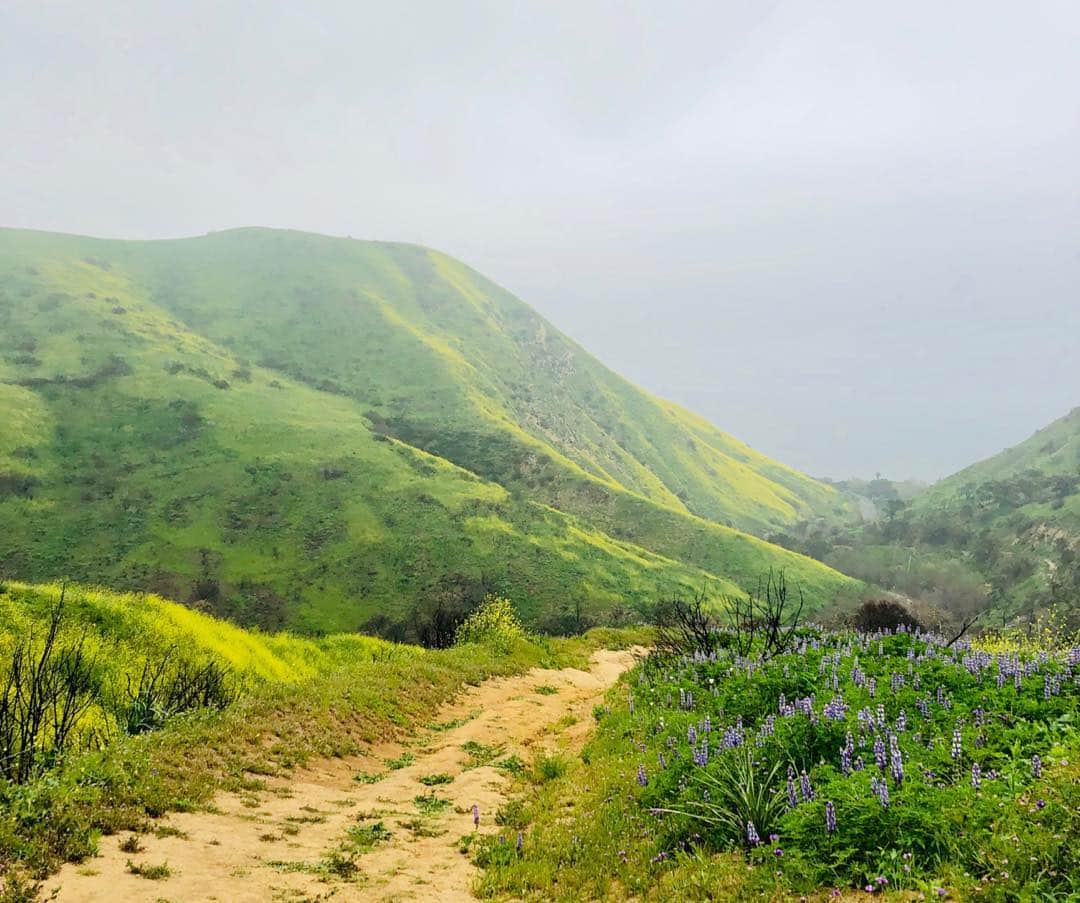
x=792, y=799
x=1036, y=767
x=476, y=815
x=642, y=778
x=836, y=709
x=845, y=761
x=751, y=834
x=896, y=760
x=976, y=775
x=805, y=788
x=858, y=764
x=879, y=753
x=957, y=743
x=880, y=787
x=830, y=817
x=520, y=842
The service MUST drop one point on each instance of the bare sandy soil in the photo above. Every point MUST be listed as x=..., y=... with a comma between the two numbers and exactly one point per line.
x=278, y=844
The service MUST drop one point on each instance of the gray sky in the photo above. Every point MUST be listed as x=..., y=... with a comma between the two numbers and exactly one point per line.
x=847, y=232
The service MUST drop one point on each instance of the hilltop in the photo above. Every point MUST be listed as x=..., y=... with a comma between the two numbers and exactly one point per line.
x=318, y=433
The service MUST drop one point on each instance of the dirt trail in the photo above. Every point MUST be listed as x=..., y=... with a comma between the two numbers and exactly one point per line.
x=278, y=844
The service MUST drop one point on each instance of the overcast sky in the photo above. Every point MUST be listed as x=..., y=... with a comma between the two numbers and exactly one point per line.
x=847, y=232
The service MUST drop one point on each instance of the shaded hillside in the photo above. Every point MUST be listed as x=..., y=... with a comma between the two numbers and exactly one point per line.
x=243, y=419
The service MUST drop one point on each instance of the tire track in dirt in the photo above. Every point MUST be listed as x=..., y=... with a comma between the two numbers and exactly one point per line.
x=278, y=844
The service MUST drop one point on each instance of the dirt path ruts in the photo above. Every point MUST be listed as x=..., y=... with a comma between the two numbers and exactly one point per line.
x=273, y=845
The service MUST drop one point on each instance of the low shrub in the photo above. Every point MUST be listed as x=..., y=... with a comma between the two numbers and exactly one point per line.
x=494, y=624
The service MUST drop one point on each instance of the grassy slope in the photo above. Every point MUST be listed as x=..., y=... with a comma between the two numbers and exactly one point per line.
x=389, y=322
x=1009, y=498
x=1055, y=449
x=330, y=696
x=144, y=450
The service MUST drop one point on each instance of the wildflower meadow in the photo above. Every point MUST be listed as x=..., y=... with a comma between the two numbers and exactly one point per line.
x=887, y=763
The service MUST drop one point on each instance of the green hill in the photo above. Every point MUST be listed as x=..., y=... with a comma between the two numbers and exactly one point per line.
x=309, y=432
x=1015, y=518
x=1003, y=533
x=1051, y=455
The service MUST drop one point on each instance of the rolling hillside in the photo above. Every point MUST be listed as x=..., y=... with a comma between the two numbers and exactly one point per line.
x=310, y=432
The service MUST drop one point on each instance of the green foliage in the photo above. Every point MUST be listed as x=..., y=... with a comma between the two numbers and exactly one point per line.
x=494, y=623
x=693, y=749
x=436, y=780
x=431, y=803
x=151, y=872
x=736, y=794
x=548, y=767
x=303, y=432
x=363, y=838
x=173, y=684
x=131, y=844
x=398, y=762
x=480, y=754
x=511, y=765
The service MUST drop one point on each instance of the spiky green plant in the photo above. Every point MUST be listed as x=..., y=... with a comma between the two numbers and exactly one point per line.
x=739, y=793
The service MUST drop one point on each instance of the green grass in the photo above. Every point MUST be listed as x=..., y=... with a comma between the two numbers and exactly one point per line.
x=158, y=872
x=431, y=803
x=549, y=767
x=307, y=432
x=364, y=838
x=479, y=754
x=403, y=761
x=436, y=780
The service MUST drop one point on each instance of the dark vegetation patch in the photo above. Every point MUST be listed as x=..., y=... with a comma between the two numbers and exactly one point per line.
x=114, y=367
x=883, y=614
x=20, y=485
